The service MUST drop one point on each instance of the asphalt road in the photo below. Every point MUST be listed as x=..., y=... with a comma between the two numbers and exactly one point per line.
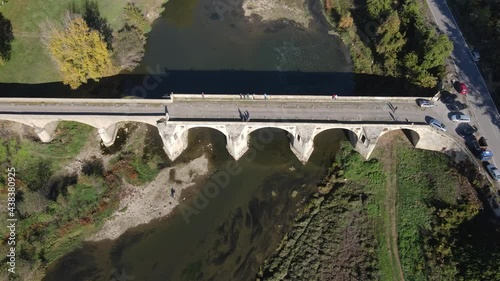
x=406, y=111
x=290, y=111
x=481, y=106
x=80, y=109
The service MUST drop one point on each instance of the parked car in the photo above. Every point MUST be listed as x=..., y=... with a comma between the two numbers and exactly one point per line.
x=438, y=125
x=425, y=103
x=468, y=130
x=448, y=98
x=456, y=106
x=460, y=117
x=493, y=171
x=462, y=88
x=474, y=55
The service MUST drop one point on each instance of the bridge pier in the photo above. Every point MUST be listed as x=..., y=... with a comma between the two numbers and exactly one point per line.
x=364, y=139
x=302, y=142
x=174, y=137
x=108, y=135
x=237, y=140
x=46, y=134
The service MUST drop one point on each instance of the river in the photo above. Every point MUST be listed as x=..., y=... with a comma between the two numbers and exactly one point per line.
x=203, y=50
x=230, y=237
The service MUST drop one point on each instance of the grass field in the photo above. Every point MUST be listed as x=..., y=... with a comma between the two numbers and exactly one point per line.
x=393, y=217
x=30, y=62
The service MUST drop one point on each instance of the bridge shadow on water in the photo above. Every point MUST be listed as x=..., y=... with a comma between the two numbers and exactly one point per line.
x=154, y=86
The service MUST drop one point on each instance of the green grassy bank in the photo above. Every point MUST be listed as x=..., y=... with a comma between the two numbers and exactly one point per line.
x=30, y=62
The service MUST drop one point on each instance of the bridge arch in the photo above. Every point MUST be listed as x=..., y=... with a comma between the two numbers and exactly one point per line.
x=411, y=134
x=175, y=136
x=349, y=132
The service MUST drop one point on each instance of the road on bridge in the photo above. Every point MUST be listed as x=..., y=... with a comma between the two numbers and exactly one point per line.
x=289, y=111
x=481, y=106
x=55, y=108
x=295, y=111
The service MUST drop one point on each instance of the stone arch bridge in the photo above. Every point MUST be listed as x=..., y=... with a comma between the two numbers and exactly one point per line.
x=363, y=136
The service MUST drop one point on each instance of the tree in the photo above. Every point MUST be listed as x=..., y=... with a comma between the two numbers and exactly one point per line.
x=129, y=47
x=80, y=53
x=6, y=38
x=346, y=21
x=416, y=73
x=378, y=8
x=134, y=16
x=392, y=41
x=437, y=49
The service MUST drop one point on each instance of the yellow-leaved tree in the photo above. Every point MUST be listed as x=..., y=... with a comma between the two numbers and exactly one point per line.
x=80, y=53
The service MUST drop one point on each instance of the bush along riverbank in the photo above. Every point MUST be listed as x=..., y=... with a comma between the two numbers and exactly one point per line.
x=391, y=39
x=66, y=189
x=333, y=237
x=405, y=214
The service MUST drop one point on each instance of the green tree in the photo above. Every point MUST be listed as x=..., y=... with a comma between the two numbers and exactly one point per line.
x=378, y=8
x=391, y=41
x=134, y=16
x=416, y=73
x=6, y=38
x=437, y=49
x=80, y=53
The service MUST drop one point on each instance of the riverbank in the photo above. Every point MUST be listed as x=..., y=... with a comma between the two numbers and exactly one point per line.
x=140, y=205
x=288, y=10
x=404, y=214
x=29, y=60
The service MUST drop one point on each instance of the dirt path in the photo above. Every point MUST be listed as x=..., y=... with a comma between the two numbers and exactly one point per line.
x=391, y=233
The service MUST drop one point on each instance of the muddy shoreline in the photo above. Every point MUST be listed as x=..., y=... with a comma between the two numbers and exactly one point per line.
x=157, y=199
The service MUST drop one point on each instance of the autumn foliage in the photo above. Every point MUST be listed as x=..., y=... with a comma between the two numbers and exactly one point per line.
x=81, y=54
x=346, y=22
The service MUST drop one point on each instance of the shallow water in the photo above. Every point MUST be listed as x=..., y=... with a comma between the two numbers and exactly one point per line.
x=225, y=52
x=230, y=237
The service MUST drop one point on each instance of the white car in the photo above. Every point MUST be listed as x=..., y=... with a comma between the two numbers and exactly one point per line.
x=493, y=171
x=438, y=125
x=459, y=117
x=474, y=55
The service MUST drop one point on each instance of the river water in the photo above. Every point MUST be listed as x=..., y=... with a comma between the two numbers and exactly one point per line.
x=230, y=237
x=203, y=50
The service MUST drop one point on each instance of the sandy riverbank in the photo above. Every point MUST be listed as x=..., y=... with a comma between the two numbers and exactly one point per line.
x=293, y=10
x=140, y=205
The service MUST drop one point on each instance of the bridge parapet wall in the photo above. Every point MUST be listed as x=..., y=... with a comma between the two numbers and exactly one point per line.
x=290, y=98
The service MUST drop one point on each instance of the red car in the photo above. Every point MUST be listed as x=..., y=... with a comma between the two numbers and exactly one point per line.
x=462, y=88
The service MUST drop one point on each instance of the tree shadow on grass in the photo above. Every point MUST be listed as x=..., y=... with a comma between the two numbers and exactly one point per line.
x=95, y=21
x=6, y=38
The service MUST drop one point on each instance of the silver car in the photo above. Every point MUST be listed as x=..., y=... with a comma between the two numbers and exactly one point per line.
x=438, y=125
x=493, y=171
x=460, y=117
x=425, y=103
x=474, y=55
